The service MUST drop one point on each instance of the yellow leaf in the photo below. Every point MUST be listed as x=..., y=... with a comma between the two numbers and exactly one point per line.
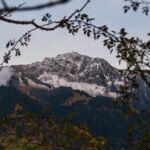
x=25, y=140
x=18, y=107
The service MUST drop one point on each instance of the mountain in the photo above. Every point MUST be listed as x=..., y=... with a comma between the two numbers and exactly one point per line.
x=73, y=83
x=95, y=76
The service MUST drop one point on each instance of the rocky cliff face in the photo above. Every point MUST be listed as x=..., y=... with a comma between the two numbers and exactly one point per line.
x=92, y=75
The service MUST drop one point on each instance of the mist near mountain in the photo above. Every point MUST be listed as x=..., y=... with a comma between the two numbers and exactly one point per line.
x=5, y=75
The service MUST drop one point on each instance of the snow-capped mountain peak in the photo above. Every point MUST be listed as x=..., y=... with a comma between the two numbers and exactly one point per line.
x=92, y=75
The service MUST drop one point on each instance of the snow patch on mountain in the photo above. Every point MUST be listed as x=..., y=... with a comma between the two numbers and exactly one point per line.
x=118, y=83
x=91, y=89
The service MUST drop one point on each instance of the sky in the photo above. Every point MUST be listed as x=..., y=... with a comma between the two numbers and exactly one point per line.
x=50, y=44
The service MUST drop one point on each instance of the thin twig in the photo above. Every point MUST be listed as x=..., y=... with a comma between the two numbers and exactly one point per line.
x=78, y=10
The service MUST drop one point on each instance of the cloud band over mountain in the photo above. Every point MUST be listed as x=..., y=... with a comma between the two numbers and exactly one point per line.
x=5, y=75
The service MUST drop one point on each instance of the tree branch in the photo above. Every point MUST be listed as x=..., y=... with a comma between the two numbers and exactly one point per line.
x=31, y=8
x=79, y=10
x=28, y=23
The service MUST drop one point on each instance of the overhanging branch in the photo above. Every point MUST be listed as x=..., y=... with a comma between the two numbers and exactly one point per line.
x=31, y=8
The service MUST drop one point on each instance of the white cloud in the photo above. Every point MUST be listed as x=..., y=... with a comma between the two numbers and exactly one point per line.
x=5, y=75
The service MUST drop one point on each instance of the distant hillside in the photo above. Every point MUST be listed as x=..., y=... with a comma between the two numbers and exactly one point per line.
x=10, y=97
x=102, y=117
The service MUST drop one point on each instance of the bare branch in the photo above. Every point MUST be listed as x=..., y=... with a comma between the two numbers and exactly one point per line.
x=5, y=14
x=4, y=4
x=28, y=23
x=31, y=8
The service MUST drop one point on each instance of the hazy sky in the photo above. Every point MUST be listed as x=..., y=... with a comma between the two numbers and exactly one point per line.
x=49, y=44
